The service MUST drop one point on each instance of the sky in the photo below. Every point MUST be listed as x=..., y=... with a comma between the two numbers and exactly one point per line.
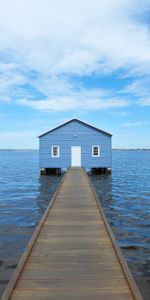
x=87, y=59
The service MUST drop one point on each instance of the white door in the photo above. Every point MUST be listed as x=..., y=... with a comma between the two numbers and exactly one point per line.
x=75, y=156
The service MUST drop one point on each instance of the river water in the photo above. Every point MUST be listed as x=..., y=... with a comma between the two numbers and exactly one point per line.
x=124, y=195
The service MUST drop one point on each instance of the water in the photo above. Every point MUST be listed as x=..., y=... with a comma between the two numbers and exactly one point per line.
x=124, y=195
x=24, y=196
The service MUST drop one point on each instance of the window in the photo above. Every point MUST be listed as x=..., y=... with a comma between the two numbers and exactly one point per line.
x=55, y=151
x=95, y=151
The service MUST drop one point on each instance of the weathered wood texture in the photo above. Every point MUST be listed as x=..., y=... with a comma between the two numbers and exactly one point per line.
x=74, y=254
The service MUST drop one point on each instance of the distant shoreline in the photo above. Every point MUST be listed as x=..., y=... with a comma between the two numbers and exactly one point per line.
x=19, y=150
x=37, y=150
x=134, y=149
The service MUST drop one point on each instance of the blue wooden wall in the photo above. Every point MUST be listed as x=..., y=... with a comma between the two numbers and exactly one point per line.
x=75, y=134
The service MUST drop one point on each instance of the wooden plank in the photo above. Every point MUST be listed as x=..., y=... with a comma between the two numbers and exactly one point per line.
x=94, y=251
x=71, y=294
x=70, y=274
x=75, y=239
x=73, y=258
x=73, y=218
x=104, y=283
x=103, y=265
x=72, y=245
x=59, y=230
x=76, y=228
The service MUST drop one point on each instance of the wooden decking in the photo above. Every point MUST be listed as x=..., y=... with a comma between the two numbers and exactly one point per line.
x=73, y=253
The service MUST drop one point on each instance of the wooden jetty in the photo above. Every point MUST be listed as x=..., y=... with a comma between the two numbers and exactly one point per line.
x=73, y=254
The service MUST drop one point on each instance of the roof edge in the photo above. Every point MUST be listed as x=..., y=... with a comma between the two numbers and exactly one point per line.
x=78, y=120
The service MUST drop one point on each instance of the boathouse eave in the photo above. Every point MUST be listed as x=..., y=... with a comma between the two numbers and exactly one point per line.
x=79, y=121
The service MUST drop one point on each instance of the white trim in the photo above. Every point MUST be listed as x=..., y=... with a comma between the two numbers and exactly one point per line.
x=52, y=151
x=93, y=151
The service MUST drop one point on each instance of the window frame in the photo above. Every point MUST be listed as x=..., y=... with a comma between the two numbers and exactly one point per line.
x=52, y=151
x=98, y=155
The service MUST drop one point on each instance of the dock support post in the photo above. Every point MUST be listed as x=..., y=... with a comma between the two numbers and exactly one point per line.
x=43, y=172
x=101, y=171
x=51, y=171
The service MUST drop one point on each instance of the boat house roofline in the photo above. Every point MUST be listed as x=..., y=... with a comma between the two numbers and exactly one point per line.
x=75, y=119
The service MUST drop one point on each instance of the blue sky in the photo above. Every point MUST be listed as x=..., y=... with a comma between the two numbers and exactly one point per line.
x=86, y=58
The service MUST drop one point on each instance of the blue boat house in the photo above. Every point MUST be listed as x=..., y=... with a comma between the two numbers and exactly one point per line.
x=75, y=144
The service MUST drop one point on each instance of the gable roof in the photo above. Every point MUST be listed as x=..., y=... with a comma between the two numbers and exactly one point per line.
x=79, y=121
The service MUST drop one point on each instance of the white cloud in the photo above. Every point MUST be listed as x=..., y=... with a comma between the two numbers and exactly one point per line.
x=75, y=36
x=18, y=134
x=144, y=101
x=135, y=124
x=10, y=77
x=138, y=87
x=121, y=113
x=57, y=39
x=74, y=102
